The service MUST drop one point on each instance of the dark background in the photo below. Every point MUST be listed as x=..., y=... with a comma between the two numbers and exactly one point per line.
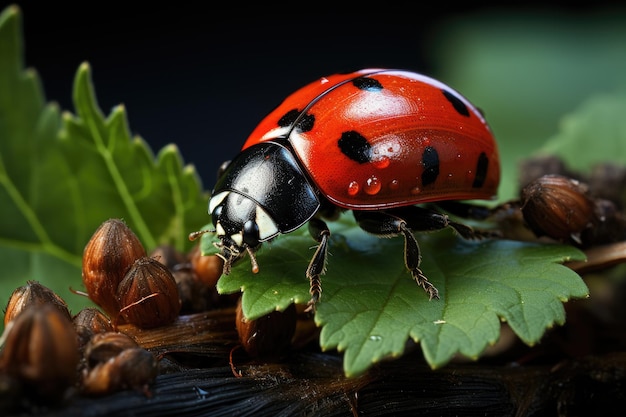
x=203, y=78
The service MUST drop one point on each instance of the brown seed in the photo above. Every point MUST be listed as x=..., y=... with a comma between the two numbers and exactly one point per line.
x=195, y=297
x=104, y=346
x=148, y=294
x=107, y=257
x=11, y=394
x=134, y=368
x=610, y=225
x=168, y=256
x=268, y=336
x=208, y=268
x=93, y=319
x=89, y=322
x=41, y=350
x=558, y=207
x=608, y=181
x=33, y=293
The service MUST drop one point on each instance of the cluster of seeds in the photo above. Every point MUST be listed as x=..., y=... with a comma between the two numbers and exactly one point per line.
x=49, y=355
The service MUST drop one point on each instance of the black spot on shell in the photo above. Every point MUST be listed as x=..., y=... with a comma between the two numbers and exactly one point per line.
x=305, y=123
x=289, y=118
x=367, y=84
x=355, y=146
x=302, y=122
x=482, y=164
x=430, y=161
x=457, y=103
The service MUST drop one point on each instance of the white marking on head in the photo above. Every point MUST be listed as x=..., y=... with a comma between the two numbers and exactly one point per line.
x=267, y=226
x=237, y=238
x=219, y=230
x=216, y=200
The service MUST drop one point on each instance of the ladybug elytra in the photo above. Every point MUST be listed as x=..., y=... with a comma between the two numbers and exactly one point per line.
x=377, y=142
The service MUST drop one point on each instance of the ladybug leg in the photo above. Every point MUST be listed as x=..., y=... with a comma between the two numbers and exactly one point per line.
x=321, y=233
x=412, y=259
x=466, y=210
x=475, y=212
x=426, y=219
x=385, y=223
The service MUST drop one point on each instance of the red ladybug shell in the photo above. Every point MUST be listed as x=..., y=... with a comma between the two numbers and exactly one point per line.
x=379, y=138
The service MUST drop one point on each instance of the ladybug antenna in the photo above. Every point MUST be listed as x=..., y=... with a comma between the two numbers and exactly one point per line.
x=255, y=265
x=194, y=235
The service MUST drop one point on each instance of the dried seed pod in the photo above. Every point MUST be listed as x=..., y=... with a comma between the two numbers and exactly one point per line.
x=107, y=257
x=208, y=268
x=89, y=322
x=268, y=336
x=92, y=319
x=195, y=296
x=148, y=294
x=610, y=226
x=608, y=181
x=104, y=346
x=168, y=256
x=11, y=392
x=33, y=293
x=41, y=351
x=134, y=368
x=558, y=207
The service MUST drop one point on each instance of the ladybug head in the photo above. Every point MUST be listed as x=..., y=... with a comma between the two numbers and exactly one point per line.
x=260, y=194
x=241, y=225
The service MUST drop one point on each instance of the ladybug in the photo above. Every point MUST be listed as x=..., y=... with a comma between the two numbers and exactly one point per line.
x=378, y=142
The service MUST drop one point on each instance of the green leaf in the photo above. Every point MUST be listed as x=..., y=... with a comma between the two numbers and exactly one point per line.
x=370, y=305
x=61, y=176
x=594, y=133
